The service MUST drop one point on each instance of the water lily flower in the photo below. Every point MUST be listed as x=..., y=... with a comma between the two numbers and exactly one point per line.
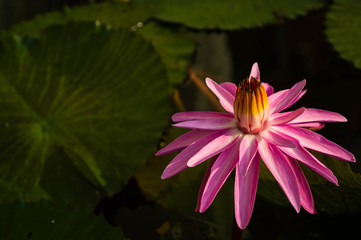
x=253, y=129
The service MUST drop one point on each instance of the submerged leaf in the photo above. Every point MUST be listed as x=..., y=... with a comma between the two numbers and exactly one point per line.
x=80, y=100
x=45, y=220
x=156, y=223
x=175, y=47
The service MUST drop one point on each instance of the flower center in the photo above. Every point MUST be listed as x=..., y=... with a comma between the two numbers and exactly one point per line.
x=251, y=106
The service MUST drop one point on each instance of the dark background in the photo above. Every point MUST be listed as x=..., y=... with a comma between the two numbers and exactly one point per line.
x=286, y=53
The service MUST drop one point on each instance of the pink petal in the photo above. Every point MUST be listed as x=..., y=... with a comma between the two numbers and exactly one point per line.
x=208, y=124
x=319, y=115
x=282, y=93
x=315, y=141
x=220, y=171
x=230, y=87
x=277, y=95
x=255, y=72
x=203, y=184
x=186, y=116
x=183, y=141
x=247, y=152
x=276, y=139
x=303, y=92
x=284, y=99
x=309, y=160
x=285, y=117
x=268, y=88
x=225, y=98
x=245, y=188
x=179, y=163
x=313, y=125
x=273, y=98
x=215, y=146
x=305, y=191
x=281, y=170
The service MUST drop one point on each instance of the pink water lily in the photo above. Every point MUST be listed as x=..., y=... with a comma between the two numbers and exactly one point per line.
x=253, y=129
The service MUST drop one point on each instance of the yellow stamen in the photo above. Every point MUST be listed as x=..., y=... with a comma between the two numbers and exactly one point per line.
x=251, y=106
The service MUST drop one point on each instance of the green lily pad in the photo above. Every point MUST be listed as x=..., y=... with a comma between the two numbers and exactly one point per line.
x=228, y=14
x=174, y=43
x=345, y=198
x=46, y=220
x=80, y=96
x=18, y=10
x=116, y=14
x=343, y=23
